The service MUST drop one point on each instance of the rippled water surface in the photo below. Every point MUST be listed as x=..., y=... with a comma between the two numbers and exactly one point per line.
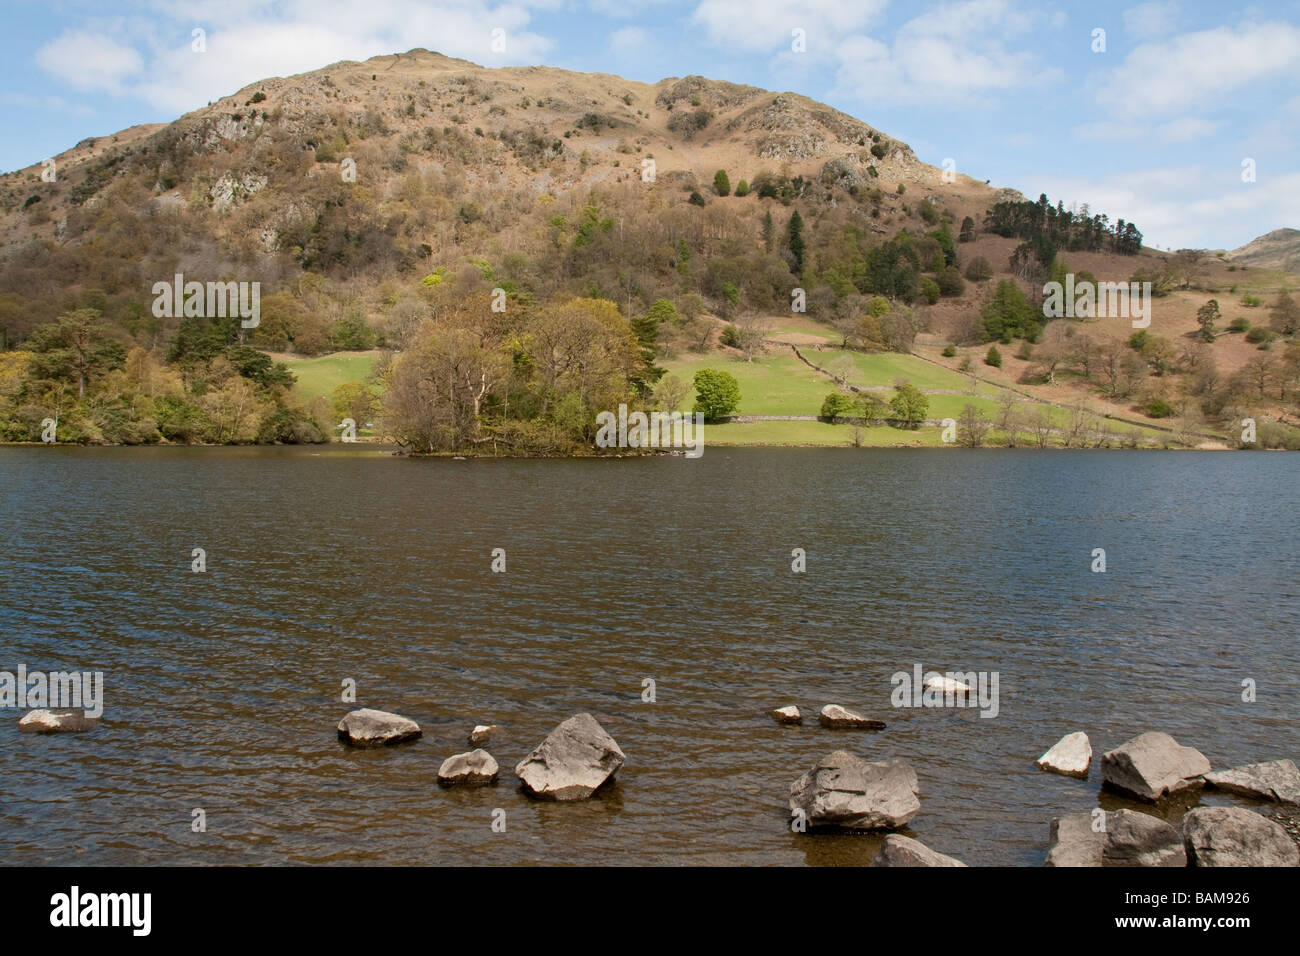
x=223, y=688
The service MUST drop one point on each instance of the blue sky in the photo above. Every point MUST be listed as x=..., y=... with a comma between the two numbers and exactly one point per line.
x=1154, y=128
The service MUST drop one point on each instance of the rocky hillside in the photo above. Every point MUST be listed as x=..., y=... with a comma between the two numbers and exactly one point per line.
x=1279, y=249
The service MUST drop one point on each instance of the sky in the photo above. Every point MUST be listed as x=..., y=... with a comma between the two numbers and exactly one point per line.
x=1180, y=116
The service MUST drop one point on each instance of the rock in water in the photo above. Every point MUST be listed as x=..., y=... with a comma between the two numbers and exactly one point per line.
x=1071, y=755
x=946, y=686
x=1153, y=765
x=474, y=769
x=842, y=790
x=1139, y=839
x=898, y=850
x=1278, y=781
x=56, y=721
x=572, y=763
x=376, y=728
x=787, y=715
x=835, y=716
x=1232, y=836
x=482, y=733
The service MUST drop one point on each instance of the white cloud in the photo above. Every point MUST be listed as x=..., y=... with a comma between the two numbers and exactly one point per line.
x=89, y=62
x=1187, y=71
x=1183, y=130
x=767, y=25
x=1153, y=19
x=955, y=54
x=248, y=41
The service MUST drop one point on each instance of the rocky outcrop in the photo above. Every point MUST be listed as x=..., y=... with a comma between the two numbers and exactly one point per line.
x=476, y=768
x=845, y=791
x=1231, y=836
x=575, y=760
x=837, y=717
x=1278, y=780
x=787, y=715
x=898, y=850
x=1129, y=838
x=377, y=728
x=1153, y=765
x=72, y=720
x=1071, y=755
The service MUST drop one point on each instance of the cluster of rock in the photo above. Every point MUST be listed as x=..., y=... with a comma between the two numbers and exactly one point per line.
x=1150, y=768
x=832, y=715
x=575, y=760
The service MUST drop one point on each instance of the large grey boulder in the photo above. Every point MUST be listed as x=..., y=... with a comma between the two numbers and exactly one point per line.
x=572, y=763
x=898, y=850
x=842, y=790
x=1072, y=841
x=837, y=717
x=1129, y=838
x=56, y=721
x=1139, y=839
x=377, y=728
x=1071, y=755
x=475, y=769
x=1153, y=765
x=1278, y=781
x=1232, y=836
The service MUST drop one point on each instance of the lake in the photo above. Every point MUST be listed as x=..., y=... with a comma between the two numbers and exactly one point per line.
x=223, y=688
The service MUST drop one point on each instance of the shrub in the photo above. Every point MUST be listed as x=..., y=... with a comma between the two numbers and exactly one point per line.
x=993, y=357
x=721, y=184
x=979, y=270
x=879, y=150
x=742, y=188
x=1260, y=334
x=930, y=290
x=949, y=351
x=835, y=405
x=1239, y=325
x=696, y=199
x=1159, y=408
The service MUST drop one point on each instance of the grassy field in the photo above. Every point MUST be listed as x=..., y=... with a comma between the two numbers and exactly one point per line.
x=320, y=376
x=821, y=434
x=775, y=385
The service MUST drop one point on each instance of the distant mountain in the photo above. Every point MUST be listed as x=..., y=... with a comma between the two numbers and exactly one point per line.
x=1279, y=249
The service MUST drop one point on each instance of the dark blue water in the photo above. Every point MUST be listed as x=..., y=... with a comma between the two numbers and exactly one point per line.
x=223, y=688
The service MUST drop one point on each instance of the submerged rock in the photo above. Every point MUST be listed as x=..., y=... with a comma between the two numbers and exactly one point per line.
x=377, y=728
x=1153, y=765
x=898, y=850
x=1232, y=836
x=56, y=721
x=947, y=686
x=842, y=790
x=1278, y=780
x=573, y=762
x=1071, y=755
x=787, y=715
x=837, y=717
x=474, y=769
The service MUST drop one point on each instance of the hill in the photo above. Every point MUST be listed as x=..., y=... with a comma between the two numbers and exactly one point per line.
x=373, y=202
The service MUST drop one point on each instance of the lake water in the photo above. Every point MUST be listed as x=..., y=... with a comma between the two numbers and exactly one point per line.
x=222, y=689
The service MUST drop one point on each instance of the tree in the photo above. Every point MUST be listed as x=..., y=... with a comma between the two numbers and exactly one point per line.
x=1285, y=315
x=670, y=391
x=1008, y=314
x=967, y=232
x=742, y=188
x=74, y=347
x=769, y=231
x=794, y=242
x=1206, y=316
x=837, y=404
x=979, y=270
x=972, y=427
x=721, y=184
x=910, y=404
x=993, y=357
x=717, y=394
